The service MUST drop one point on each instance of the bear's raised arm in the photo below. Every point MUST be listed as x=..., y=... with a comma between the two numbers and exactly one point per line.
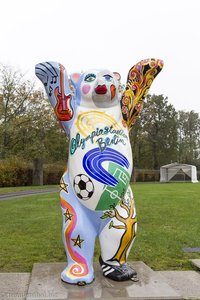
x=54, y=77
x=140, y=78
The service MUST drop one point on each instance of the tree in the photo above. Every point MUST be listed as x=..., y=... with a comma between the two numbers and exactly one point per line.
x=28, y=127
x=189, y=137
x=14, y=95
x=155, y=141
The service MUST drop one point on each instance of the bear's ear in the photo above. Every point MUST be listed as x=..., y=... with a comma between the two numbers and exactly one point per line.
x=117, y=76
x=75, y=77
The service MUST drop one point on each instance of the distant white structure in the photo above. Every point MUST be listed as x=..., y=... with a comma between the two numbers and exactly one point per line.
x=178, y=172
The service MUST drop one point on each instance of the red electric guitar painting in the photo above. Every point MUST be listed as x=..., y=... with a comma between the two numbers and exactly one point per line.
x=63, y=108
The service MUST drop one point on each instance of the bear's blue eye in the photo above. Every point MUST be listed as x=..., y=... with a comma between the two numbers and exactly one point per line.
x=108, y=77
x=90, y=77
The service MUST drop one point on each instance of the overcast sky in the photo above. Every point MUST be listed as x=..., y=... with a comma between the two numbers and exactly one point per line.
x=113, y=34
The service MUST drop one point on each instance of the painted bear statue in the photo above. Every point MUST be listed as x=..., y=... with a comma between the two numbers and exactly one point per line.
x=95, y=196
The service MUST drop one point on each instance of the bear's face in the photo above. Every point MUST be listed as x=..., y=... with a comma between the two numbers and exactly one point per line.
x=99, y=88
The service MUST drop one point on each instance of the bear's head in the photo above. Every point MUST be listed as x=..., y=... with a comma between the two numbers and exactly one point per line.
x=97, y=88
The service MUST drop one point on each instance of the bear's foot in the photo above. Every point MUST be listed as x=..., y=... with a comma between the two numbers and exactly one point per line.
x=118, y=273
x=77, y=274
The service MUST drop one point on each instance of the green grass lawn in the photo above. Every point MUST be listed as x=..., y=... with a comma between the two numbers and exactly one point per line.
x=168, y=220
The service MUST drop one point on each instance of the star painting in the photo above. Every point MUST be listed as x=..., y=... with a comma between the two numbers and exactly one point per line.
x=68, y=216
x=63, y=185
x=77, y=241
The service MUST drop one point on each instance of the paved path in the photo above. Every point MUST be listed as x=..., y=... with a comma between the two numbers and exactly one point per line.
x=20, y=194
x=45, y=281
x=44, y=284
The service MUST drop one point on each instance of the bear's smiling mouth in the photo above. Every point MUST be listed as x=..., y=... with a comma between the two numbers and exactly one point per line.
x=101, y=89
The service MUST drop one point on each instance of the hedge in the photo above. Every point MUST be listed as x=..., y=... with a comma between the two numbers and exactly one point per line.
x=16, y=172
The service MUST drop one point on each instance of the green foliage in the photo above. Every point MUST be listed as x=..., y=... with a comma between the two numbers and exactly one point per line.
x=17, y=172
x=28, y=127
x=189, y=137
x=14, y=98
x=14, y=172
x=53, y=172
x=146, y=175
x=162, y=135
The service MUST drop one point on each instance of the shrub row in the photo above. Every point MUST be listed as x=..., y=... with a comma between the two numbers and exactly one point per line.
x=53, y=173
x=146, y=175
x=142, y=175
x=15, y=172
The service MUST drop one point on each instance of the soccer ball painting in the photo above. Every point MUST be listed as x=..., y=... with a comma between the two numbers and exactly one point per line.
x=83, y=187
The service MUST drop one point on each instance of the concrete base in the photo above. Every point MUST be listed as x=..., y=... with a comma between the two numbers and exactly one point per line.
x=46, y=284
x=186, y=283
x=196, y=262
x=14, y=285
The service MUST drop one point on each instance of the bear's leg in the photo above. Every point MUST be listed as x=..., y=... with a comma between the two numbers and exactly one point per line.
x=116, y=239
x=79, y=238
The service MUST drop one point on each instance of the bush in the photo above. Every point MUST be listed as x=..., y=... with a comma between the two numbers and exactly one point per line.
x=15, y=172
x=142, y=175
x=53, y=173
